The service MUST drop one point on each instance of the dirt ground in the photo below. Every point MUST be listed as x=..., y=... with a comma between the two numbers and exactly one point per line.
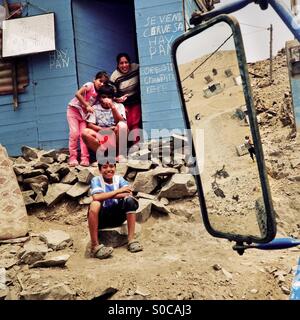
x=180, y=259
x=177, y=262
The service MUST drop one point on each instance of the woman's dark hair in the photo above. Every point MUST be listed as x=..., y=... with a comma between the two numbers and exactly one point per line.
x=107, y=90
x=101, y=74
x=123, y=54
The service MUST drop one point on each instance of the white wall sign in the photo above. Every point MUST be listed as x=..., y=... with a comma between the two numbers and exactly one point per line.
x=28, y=35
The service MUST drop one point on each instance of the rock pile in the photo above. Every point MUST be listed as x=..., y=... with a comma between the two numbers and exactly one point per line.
x=157, y=171
x=31, y=252
x=273, y=102
x=272, y=99
x=280, y=141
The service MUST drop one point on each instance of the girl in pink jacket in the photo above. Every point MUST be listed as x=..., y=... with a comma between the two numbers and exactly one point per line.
x=78, y=109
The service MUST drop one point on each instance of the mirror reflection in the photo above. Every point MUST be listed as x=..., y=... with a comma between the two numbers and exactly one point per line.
x=216, y=108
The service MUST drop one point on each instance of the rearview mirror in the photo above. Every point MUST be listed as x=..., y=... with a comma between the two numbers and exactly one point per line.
x=213, y=82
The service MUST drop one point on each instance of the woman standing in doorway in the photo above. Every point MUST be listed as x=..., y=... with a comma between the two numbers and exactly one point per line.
x=126, y=80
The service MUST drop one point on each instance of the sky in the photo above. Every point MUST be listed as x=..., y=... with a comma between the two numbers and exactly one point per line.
x=254, y=23
x=256, y=40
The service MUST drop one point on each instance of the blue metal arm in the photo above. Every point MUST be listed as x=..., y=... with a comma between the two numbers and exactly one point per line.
x=279, y=243
x=227, y=8
x=277, y=5
x=286, y=17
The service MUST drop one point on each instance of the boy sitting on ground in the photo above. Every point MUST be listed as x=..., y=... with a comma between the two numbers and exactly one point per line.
x=112, y=205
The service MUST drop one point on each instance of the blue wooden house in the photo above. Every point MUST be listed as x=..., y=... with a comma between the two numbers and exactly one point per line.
x=89, y=35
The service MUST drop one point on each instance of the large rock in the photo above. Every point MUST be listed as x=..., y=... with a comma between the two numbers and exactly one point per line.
x=29, y=153
x=160, y=207
x=56, y=239
x=143, y=212
x=41, y=165
x=116, y=237
x=57, y=292
x=37, y=179
x=46, y=160
x=139, y=165
x=51, y=153
x=28, y=197
x=161, y=171
x=29, y=173
x=19, y=169
x=61, y=169
x=145, y=182
x=32, y=252
x=180, y=185
x=70, y=178
x=55, y=192
x=13, y=214
x=58, y=261
x=85, y=176
x=78, y=189
x=39, y=188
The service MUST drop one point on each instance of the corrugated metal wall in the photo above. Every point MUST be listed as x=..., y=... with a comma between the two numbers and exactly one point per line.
x=158, y=24
x=102, y=30
x=40, y=120
x=18, y=127
x=54, y=77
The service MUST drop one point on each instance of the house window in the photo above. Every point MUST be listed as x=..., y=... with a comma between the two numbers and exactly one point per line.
x=13, y=72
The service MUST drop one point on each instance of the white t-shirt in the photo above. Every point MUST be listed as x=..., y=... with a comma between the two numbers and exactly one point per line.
x=103, y=117
x=98, y=185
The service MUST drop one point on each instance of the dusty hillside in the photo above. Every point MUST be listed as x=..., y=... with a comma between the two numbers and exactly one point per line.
x=280, y=142
x=180, y=259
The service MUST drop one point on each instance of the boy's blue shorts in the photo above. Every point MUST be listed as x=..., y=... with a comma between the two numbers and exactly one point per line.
x=114, y=216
